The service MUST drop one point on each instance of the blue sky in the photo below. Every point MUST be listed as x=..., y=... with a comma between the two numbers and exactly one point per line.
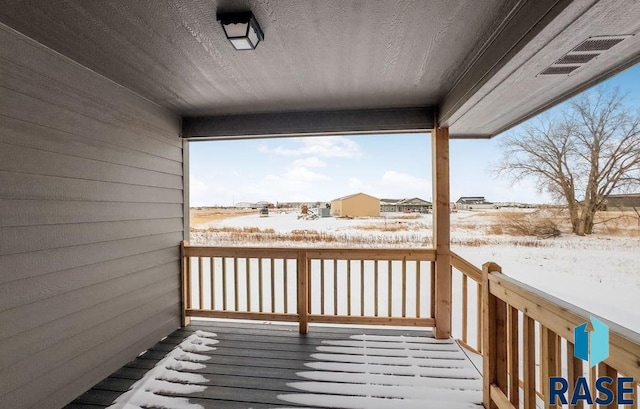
x=324, y=168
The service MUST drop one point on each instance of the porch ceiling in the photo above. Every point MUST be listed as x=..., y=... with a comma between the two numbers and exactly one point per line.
x=474, y=61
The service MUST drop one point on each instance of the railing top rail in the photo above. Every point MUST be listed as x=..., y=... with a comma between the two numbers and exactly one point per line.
x=466, y=267
x=424, y=254
x=372, y=254
x=562, y=317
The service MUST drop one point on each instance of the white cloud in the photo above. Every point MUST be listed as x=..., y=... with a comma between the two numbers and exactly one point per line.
x=198, y=192
x=310, y=162
x=324, y=147
x=355, y=183
x=398, y=185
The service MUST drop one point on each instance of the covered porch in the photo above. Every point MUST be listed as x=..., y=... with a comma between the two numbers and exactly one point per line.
x=101, y=103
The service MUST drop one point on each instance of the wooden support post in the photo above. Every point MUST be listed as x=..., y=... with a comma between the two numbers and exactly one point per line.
x=494, y=363
x=303, y=291
x=441, y=231
x=185, y=286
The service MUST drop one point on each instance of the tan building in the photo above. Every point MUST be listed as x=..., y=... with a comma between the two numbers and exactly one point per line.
x=356, y=205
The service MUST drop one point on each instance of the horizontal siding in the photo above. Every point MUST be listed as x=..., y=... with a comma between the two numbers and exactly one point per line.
x=146, y=334
x=91, y=146
x=39, y=162
x=84, y=296
x=24, y=265
x=131, y=327
x=26, y=186
x=41, y=212
x=91, y=217
x=31, y=238
x=156, y=283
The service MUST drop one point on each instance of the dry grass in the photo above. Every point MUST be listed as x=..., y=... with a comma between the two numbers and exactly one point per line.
x=202, y=215
x=392, y=227
x=408, y=216
x=269, y=236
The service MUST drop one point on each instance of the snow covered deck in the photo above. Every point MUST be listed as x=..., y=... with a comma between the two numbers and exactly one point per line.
x=226, y=364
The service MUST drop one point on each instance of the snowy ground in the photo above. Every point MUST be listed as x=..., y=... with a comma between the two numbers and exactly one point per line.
x=598, y=273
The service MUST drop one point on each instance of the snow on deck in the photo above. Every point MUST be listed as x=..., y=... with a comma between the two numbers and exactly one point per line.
x=261, y=365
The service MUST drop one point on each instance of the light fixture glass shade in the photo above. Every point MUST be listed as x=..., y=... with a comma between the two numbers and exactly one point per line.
x=241, y=43
x=242, y=30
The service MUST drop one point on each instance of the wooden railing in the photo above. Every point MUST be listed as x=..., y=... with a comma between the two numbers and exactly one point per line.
x=528, y=337
x=466, y=303
x=342, y=286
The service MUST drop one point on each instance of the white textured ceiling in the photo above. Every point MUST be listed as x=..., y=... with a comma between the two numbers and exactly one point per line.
x=475, y=61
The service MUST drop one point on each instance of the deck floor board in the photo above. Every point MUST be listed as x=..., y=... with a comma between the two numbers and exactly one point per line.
x=253, y=365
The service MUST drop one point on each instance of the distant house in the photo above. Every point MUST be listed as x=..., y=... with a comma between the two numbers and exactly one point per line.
x=262, y=204
x=624, y=201
x=356, y=205
x=414, y=204
x=473, y=202
x=245, y=205
x=389, y=205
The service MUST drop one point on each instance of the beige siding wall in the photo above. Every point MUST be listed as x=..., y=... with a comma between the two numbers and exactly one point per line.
x=359, y=205
x=336, y=208
x=90, y=223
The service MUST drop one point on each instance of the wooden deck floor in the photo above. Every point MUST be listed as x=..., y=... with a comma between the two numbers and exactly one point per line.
x=257, y=365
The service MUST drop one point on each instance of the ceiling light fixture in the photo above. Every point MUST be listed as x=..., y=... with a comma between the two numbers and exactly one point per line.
x=241, y=29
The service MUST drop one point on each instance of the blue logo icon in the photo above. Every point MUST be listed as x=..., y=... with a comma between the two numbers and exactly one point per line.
x=591, y=342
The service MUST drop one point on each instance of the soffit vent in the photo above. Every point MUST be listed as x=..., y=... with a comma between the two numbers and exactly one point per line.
x=598, y=44
x=584, y=52
x=576, y=58
x=560, y=70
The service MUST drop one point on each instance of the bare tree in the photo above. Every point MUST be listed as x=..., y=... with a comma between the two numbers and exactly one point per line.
x=580, y=156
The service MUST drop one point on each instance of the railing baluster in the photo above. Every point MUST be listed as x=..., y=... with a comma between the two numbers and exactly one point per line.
x=200, y=280
x=321, y=287
x=362, y=288
x=235, y=284
x=260, y=286
x=335, y=287
x=309, y=283
x=248, y=278
x=529, y=362
x=479, y=318
x=513, y=354
x=389, y=287
x=404, y=287
x=273, y=285
x=349, y=287
x=303, y=291
x=606, y=370
x=464, y=309
x=418, y=289
x=224, y=283
x=432, y=295
x=574, y=371
x=548, y=361
x=592, y=381
x=285, y=280
x=189, y=282
x=375, y=288
x=212, y=270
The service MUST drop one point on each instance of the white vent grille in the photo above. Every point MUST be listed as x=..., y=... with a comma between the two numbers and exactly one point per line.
x=588, y=50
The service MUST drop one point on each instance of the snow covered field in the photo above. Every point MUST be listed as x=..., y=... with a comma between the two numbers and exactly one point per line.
x=599, y=273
